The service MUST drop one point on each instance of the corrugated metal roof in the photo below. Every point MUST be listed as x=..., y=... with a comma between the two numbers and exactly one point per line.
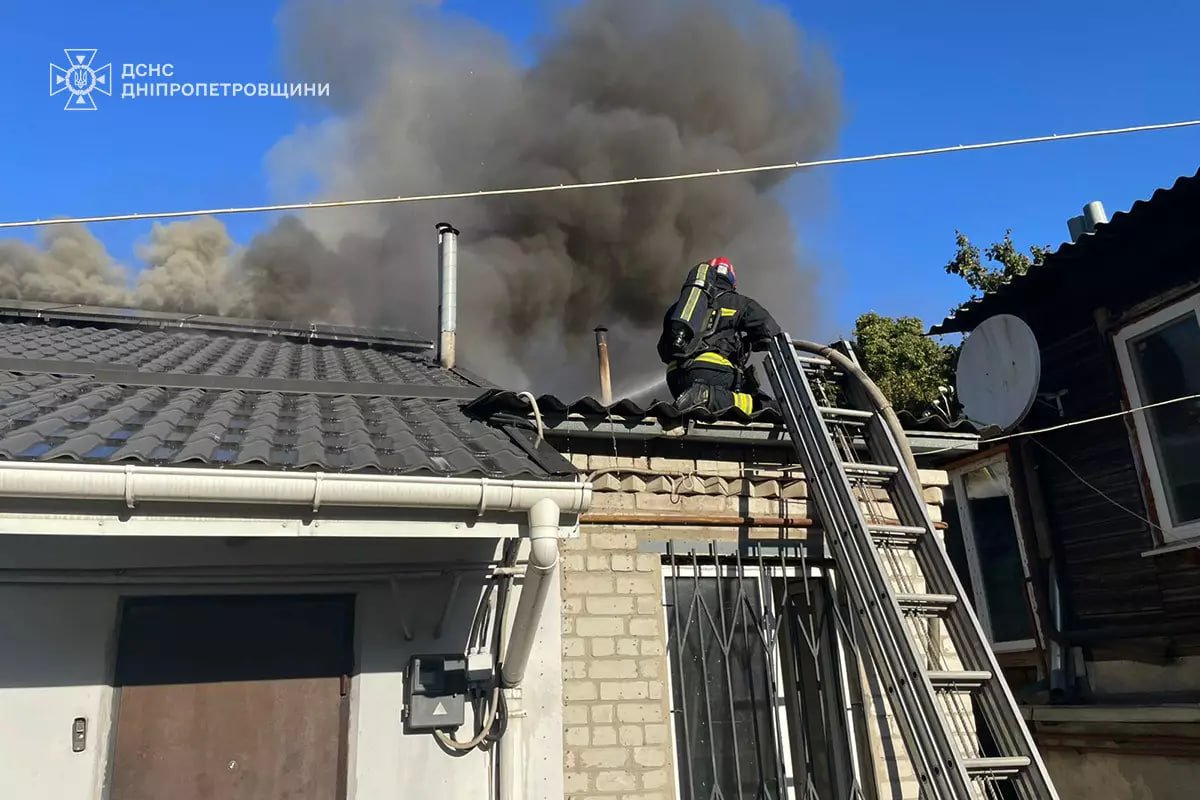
x=271, y=420
x=551, y=407
x=1061, y=265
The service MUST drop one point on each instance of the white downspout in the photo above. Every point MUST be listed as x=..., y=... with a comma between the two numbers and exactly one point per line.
x=540, y=567
x=543, y=560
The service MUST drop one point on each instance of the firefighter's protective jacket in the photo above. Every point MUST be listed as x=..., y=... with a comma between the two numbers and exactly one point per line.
x=735, y=326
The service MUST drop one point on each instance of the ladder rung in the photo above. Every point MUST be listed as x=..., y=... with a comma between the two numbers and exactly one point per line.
x=869, y=469
x=995, y=767
x=909, y=530
x=928, y=603
x=846, y=413
x=893, y=538
x=815, y=361
x=960, y=679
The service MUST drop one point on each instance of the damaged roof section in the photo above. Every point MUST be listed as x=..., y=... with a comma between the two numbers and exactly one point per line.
x=117, y=391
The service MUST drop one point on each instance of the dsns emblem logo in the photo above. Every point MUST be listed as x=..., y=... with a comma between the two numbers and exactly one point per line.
x=79, y=79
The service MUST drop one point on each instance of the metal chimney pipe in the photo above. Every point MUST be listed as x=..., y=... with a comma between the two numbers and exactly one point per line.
x=605, y=373
x=1076, y=227
x=1094, y=215
x=448, y=292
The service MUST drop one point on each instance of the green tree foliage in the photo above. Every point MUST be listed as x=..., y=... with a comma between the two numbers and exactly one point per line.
x=1006, y=262
x=913, y=370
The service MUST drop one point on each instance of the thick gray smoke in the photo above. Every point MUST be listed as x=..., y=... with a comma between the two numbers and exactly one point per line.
x=422, y=102
x=187, y=268
x=70, y=266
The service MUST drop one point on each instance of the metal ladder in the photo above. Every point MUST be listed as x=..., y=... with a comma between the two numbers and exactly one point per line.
x=961, y=726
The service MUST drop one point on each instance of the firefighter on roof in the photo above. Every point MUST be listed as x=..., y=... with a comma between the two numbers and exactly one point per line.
x=708, y=335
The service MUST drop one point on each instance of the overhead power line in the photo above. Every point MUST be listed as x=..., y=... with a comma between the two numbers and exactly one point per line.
x=562, y=187
x=1071, y=424
x=1097, y=489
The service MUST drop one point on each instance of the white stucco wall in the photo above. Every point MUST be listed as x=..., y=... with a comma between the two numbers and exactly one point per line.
x=58, y=646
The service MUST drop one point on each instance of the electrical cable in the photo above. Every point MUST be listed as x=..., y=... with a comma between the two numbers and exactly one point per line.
x=1072, y=424
x=480, y=619
x=485, y=729
x=1064, y=425
x=537, y=413
x=1091, y=486
x=562, y=187
x=497, y=708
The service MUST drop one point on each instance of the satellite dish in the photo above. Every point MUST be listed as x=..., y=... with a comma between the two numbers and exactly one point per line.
x=999, y=369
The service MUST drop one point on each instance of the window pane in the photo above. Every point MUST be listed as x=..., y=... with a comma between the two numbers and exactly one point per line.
x=995, y=537
x=1167, y=364
x=722, y=690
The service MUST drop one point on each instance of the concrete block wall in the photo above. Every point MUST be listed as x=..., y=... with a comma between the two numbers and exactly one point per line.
x=618, y=738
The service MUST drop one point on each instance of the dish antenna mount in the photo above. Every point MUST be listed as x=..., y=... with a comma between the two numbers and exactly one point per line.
x=999, y=369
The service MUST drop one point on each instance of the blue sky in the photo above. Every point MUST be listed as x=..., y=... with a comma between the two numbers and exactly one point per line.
x=914, y=75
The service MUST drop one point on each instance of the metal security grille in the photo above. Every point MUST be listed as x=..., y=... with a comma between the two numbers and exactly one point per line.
x=760, y=651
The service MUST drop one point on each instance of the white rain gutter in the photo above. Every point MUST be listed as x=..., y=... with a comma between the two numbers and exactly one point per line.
x=138, y=484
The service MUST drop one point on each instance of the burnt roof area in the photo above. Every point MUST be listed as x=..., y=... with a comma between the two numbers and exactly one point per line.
x=1136, y=255
x=96, y=385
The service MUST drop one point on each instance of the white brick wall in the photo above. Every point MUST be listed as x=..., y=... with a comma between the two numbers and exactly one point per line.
x=614, y=641
x=614, y=667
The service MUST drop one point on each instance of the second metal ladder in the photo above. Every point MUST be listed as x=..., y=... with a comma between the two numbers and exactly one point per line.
x=962, y=728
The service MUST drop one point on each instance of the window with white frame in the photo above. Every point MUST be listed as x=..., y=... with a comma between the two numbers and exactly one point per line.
x=760, y=697
x=995, y=552
x=1160, y=361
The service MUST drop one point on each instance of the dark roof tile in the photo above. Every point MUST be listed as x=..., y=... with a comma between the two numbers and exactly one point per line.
x=46, y=416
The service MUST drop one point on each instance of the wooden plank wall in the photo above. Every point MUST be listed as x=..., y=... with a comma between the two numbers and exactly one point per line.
x=1107, y=581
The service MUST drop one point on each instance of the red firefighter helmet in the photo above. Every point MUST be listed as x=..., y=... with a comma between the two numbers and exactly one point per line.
x=723, y=266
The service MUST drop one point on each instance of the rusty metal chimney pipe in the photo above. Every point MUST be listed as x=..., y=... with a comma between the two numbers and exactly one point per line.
x=605, y=373
x=448, y=293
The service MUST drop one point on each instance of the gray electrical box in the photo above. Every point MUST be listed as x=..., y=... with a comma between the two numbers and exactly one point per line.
x=436, y=693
